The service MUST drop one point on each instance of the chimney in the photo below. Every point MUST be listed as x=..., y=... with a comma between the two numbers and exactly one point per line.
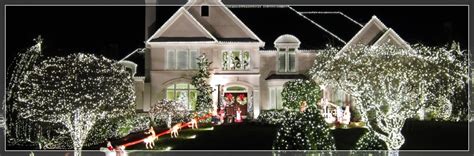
x=150, y=18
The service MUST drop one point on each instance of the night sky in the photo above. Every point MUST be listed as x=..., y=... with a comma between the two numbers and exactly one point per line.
x=115, y=31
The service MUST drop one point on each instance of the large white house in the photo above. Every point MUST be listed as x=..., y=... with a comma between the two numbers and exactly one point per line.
x=247, y=71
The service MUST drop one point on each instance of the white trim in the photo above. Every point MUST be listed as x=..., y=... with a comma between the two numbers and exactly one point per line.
x=397, y=38
x=373, y=20
x=239, y=22
x=172, y=19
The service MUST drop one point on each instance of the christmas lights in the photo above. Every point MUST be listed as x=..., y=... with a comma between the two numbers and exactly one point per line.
x=391, y=84
x=304, y=131
x=297, y=91
x=76, y=91
x=201, y=82
x=170, y=111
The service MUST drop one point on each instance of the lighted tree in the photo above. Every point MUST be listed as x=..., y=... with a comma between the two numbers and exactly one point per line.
x=22, y=63
x=391, y=84
x=168, y=111
x=204, y=89
x=304, y=131
x=296, y=91
x=76, y=91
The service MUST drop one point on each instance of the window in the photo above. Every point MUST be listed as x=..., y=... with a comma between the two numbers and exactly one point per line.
x=276, y=100
x=236, y=60
x=184, y=91
x=205, y=10
x=181, y=59
x=286, y=60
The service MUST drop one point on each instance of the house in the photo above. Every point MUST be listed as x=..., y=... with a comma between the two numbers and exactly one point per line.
x=250, y=64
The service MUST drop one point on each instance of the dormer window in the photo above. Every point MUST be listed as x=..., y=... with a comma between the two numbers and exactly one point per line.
x=286, y=46
x=286, y=60
x=205, y=10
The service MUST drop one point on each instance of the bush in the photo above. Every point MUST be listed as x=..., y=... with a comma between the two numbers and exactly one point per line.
x=272, y=116
x=297, y=91
x=304, y=131
x=369, y=141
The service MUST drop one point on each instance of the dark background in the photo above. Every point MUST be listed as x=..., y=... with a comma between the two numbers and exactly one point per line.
x=115, y=31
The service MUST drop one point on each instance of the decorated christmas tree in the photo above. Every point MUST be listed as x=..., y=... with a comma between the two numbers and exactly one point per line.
x=204, y=89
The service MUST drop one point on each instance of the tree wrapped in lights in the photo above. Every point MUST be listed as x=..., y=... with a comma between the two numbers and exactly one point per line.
x=391, y=83
x=204, y=89
x=304, y=131
x=297, y=91
x=168, y=111
x=22, y=64
x=76, y=91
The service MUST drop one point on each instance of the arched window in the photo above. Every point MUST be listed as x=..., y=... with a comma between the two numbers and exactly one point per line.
x=182, y=91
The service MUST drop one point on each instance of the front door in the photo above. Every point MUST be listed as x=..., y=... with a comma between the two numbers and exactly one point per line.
x=234, y=102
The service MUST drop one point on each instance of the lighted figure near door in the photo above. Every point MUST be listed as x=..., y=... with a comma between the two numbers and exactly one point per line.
x=238, y=118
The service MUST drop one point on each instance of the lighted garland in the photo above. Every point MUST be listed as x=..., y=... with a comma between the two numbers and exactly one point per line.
x=76, y=91
x=297, y=91
x=304, y=131
x=204, y=89
x=391, y=82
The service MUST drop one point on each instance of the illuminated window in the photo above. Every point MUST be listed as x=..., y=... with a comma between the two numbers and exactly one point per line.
x=236, y=60
x=276, y=101
x=184, y=91
x=181, y=59
x=286, y=60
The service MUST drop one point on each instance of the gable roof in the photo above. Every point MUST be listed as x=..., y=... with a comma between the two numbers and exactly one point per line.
x=375, y=33
x=221, y=22
x=182, y=26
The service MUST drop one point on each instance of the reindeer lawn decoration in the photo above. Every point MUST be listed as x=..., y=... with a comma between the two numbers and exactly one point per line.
x=150, y=140
x=174, y=130
x=194, y=123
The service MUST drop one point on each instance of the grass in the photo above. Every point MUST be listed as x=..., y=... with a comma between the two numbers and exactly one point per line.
x=419, y=135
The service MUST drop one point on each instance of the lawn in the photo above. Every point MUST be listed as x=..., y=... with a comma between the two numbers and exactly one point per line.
x=419, y=135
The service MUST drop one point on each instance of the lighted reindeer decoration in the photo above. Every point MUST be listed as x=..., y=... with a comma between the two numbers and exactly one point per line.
x=194, y=123
x=174, y=130
x=150, y=140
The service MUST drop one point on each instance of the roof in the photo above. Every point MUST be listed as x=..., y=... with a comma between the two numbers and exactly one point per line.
x=286, y=76
x=375, y=33
x=178, y=39
x=272, y=22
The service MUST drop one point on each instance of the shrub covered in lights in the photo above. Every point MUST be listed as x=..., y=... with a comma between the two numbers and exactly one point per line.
x=369, y=141
x=272, y=116
x=297, y=91
x=168, y=111
x=76, y=91
x=304, y=131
